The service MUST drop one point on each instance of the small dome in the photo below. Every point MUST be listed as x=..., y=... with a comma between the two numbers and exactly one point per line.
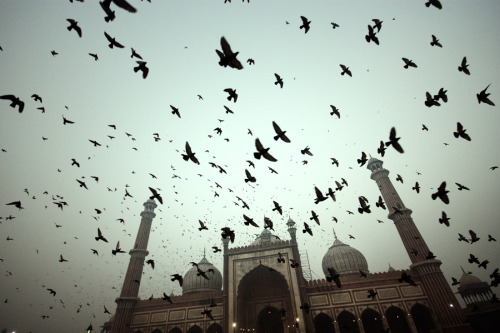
x=469, y=280
x=391, y=269
x=265, y=237
x=345, y=259
x=194, y=283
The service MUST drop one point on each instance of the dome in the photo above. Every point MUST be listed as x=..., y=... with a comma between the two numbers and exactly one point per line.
x=265, y=237
x=345, y=259
x=469, y=280
x=194, y=283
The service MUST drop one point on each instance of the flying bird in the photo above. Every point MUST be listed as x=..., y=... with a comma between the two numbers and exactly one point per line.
x=393, y=140
x=381, y=149
x=345, y=70
x=380, y=203
x=94, y=55
x=307, y=229
x=416, y=187
x=372, y=35
x=441, y=95
x=314, y=217
x=444, y=219
x=15, y=101
x=178, y=278
x=279, y=80
x=435, y=3
x=464, y=66
x=319, y=195
x=363, y=159
x=151, y=262
x=481, y=97
x=112, y=41
x=175, y=111
x=279, y=133
x=155, y=195
x=100, y=236
x=364, y=208
x=135, y=54
x=117, y=249
x=74, y=26
x=142, y=67
x=305, y=24
x=232, y=94
x=263, y=152
x=190, y=155
x=409, y=63
x=473, y=237
x=441, y=193
x=335, y=111
x=202, y=226
x=123, y=4
x=377, y=24
x=435, y=42
x=430, y=101
x=307, y=151
x=334, y=25
x=462, y=187
x=407, y=278
x=333, y=276
x=249, y=178
x=16, y=204
x=227, y=57
x=277, y=207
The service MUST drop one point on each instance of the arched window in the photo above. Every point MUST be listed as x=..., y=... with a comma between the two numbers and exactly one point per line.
x=323, y=324
x=396, y=318
x=422, y=318
x=372, y=321
x=157, y=331
x=347, y=322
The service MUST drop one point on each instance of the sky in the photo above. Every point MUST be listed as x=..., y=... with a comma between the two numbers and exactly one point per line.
x=178, y=40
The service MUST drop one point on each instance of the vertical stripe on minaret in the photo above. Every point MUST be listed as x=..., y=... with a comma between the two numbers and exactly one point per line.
x=130, y=290
x=443, y=301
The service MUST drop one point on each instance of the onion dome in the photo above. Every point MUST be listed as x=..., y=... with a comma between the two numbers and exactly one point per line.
x=345, y=259
x=194, y=283
x=469, y=281
x=265, y=237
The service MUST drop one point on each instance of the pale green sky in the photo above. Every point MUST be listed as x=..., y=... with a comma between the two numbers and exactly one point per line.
x=178, y=40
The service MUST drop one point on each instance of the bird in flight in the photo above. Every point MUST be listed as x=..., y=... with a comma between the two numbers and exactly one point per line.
x=430, y=101
x=481, y=97
x=335, y=111
x=319, y=195
x=175, y=111
x=123, y=4
x=178, y=278
x=249, y=178
x=380, y=203
x=100, y=236
x=112, y=41
x=279, y=80
x=263, y=152
x=94, y=55
x=334, y=25
x=16, y=204
x=74, y=26
x=416, y=187
x=279, y=133
x=155, y=195
x=393, y=140
x=461, y=132
x=363, y=159
x=227, y=57
x=314, y=217
x=305, y=24
x=307, y=229
x=232, y=94
x=464, y=66
x=277, y=208
x=249, y=221
x=409, y=63
x=15, y=101
x=377, y=24
x=444, y=219
x=189, y=154
x=117, y=249
x=435, y=42
x=345, y=70
x=372, y=35
x=435, y=3
x=441, y=194
x=142, y=67
x=333, y=276
x=202, y=226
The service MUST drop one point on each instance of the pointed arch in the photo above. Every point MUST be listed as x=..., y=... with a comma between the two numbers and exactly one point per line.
x=175, y=330
x=157, y=331
x=214, y=328
x=347, y=322
x=396, y=318
x=323, y=323
x=372, y=321
x=422, y=318
x=195, y=329
x=270, y=320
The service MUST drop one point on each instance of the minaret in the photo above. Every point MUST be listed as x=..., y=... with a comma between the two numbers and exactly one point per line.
x=225, y=286
x=130, y=290
x=442, y=300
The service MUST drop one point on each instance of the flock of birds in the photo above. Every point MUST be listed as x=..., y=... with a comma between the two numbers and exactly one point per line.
x=227, y=58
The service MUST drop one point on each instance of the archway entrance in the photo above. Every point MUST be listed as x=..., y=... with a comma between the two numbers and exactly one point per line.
x=195, y=329
x=372, y=321
x=269, y=321
x=323, y=324
x=263, y=301
x=396, y=318
x=347, y=322
x=422, y=318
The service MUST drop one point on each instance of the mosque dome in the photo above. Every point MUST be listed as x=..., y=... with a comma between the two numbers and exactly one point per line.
x=345, y=259
x=265, y=237
x=469, y=280
x=194, y=283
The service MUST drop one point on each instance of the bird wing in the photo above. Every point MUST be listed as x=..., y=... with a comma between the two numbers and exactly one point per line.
x=225, y=46
x=125, y=5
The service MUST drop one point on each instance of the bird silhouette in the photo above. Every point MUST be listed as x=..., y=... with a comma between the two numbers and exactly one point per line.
x=155, y=195
x=435, y=42
x=408, y=63
x=441, y=95
x=307, y=229
x=363, y=159
x=178, y=278
x=319, y=196
x=441, y=193
x=249, y=178
x=142, y=67
x=407, y=278
x=15, y=101
x=61, y=259
x=333, y=276
x=277, y=207
x=16, y=204
x=334, y=25
x=307, y=151
x=249, y=221
x=74, y=26
x=364, y=208
x=462, y=187
x=227, y=57
x=462, y=238
x=117, y=249
x=202, y=226
x=377, y=24
x=263, y=152
x=435, y=3
x=416, y=187
x=112, y=41
x=481, y=97
x=232, y=94
x=430, y=101
x=345, y=70
x=461, y=132
x=371, y=36
x=100, y=236
x=279, y=133
x=372, y=294
x=381, y=149
x=314, y=217
x=473, y=237
x=335, y=111
x=279, y=80
x=227, y=232
x=151, y=262
x=393, y=140
x=306, y=25
x=464, y=66
x=380, y=203
x=189, y=154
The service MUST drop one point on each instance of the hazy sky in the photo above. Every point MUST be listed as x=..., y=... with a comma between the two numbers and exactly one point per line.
x=178, y=40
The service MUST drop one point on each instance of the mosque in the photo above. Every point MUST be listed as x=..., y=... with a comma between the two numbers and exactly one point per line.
x=257, y=293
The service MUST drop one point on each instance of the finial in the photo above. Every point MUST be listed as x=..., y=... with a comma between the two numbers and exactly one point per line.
x=462, y=269
x=203, y=252
x=334, y=234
